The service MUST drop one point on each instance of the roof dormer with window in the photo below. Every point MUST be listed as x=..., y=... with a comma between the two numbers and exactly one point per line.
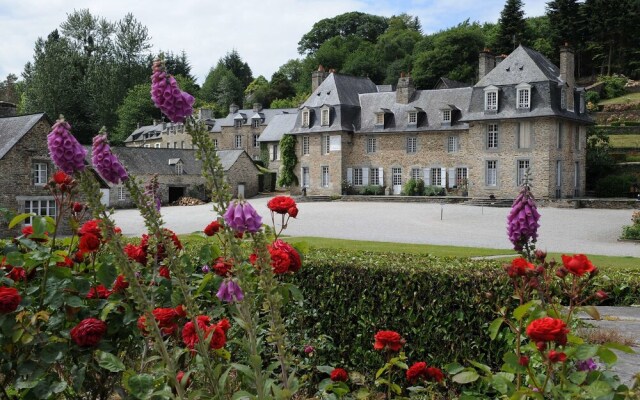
x=305, y=116
x=238, y=120
x=325, y=115
x=381, y=118
x=447, y=113
x=523, y=97
x=491, y=99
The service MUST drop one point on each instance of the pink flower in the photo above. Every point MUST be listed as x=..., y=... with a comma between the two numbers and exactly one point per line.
x=523, y=220
x=167, y=96
x=65, y=151
x=105, y=162
x=242, y=217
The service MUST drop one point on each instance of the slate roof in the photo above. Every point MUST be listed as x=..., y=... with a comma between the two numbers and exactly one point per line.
x=148, y=132
x=339, y=89
x=428, y=102
x=267, y=114
x=522, y=65
x=12, y=129
x=446, y=83
x=279, y=126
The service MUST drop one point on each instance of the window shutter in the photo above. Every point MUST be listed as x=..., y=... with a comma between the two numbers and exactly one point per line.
x=365, y=176
x=443, y=181
x=381, y=176
x=277, y=153
x=271, y=152
x=452, y=177
x=302, y=177
x=350, y=176
x=427, y=176
x=458, y=143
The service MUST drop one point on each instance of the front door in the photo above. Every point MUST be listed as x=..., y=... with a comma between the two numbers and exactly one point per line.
x=241, y=190
x=396, y=178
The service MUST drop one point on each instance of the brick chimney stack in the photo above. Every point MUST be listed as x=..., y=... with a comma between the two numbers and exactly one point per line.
x=405, y=89
x=486, y=63
x=8, y=109
x=317, y=77
x=567, y=73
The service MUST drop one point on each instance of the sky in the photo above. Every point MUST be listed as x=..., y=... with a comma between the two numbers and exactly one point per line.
x=264, y=33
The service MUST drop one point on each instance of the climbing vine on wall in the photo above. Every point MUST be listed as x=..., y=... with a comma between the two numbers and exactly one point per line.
x=289, y=161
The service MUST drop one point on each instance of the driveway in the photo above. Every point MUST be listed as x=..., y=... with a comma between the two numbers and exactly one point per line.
x=591, y=231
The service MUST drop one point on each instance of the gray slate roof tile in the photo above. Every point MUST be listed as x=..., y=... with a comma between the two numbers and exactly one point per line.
x=12, y=129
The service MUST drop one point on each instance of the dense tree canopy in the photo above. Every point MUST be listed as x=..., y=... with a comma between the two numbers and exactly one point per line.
x=512, y=27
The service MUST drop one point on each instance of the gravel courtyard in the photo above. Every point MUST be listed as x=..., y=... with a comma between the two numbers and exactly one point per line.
x=592, y=231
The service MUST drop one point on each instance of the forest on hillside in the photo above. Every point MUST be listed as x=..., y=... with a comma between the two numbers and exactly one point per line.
x=109, y=61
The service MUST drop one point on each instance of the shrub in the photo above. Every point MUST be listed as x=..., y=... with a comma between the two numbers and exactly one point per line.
x=413, y=187
x=614, y=185
x=613, y=85
x=592, y=97
x=372, y=190
x=433, y=191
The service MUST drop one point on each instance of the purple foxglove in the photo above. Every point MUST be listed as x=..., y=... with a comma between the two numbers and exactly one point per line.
x=242, y=217
x=167, y=96
x=229, y=291
x=522, y=225
x=105, y=162
x=65, y=151
x=587, y=365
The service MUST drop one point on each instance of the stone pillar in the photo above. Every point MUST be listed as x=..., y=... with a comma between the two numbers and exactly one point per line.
x=8, y=109
x=317, y=77
x=233, y=108
x=257, y=107
x=486, y=63
x=405, y=89
x=567, y=73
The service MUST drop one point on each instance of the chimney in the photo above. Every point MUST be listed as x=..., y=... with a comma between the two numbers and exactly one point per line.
x=8, y=109
x=257, y=107
x=317, y=77
x=405, y=89
x=567, y=73
x=486, y=63
x=233, y=108
x=205, y=113
x=500, y=58
x=155, y=122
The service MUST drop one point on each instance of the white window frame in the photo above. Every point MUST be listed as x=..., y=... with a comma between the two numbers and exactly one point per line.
x=179, y=168
x=255, y=123
x=462, y=174
x=40, y=207
x=357, y=177
x=215, y=144
x=396, y=176
x=491, y=98
x=326, y=144
x=275, y=152
x=558, y=173
x=436, y=177
x=325, y=176
x=148, y=145
x=412, y=118
x=39, y=173
x=446, y=116
x=306, y=118
x=525, y=135
x=374, y=176
x=491, y=173
x=372, y=144
x=157, y=145
x=324, y=117
x=237, y=123
x=305, y=177
x=453, y=144
x=523, y=96
x=238, y=141
x=412, y=144
x=522, y=166
x=121, y=193
x=305, y=145
x=256, y=142
x=493, y=131
x=380, y=119
x=416, y=173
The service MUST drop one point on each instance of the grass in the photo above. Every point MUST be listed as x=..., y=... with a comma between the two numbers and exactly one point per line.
x=447, y=251
x=616, y=141
x=627, y=98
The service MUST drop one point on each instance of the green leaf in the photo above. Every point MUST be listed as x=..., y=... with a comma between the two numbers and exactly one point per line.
x=141, y=385
x=607, y=356
x=325, y=369
x=494, y=328
x=205, y=281
x=502, y=384
x=481, y=367
x=242, y=395
x=106, y=274
x=521, y=311
x=106, y=310
x=585, y=351
x=619, y=347
x=109, y=362
x=39, y=225
x=598, y=389
x=296, y=293
x=453, y=368
x=245, y=369
x=592, y=311
x=15, y=258
x=19, y=218
x=578, y=377
x=52, y=352
x=466, y=377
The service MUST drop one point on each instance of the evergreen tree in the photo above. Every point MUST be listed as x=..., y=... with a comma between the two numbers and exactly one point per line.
x=239, y=68
x=136, y=109
x=564, y=22
x=512, y=27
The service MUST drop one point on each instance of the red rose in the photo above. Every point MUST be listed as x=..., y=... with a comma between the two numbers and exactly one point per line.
x=212, y=228
x=77, y=207
x=294, y=258
x=388, y=340
x=214, y=332
x=90, y=227
x=222, y=267
x=88, y=332
x=280, y=260
x=182, y=313
x=555, y=356
x=519, y=267
x=181, y=380
x=9, y=299
x=166, y=318
x=99, y=292
x=548, y=329
x=17, y=274
x=60, y=178
x=224, y=324
x=68, y=263
x=89, y=243
x=523, y=360
x=164, y=272
x=136, y=253
x=293, y=211
x=120, y=284
x=434, y=374
x=218, y=337
x=281, y=204
x=161, y=253
x=417, y=370
x=578, y=265
x=339, y=375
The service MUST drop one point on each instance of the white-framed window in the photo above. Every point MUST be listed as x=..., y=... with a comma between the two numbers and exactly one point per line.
x=396, y=176
x=39, y=207
x=523, y=168
x=461, y=176
x=326, y=144
x=380, y=119
x=157, y=145
x=491, y=173
x=416, y=173
x=39, y=173
x=122, y=194
x=238, y=123
x=446, y=116
x=453, y=144
x=275, y=152
x=412, y=144
x=436, y=177
x=491, y=99
x=413, y=117
x=357, y=176
x=255, y=123
x=324, y=117
x=563, y=98
x=305, y=177
x=256, y=143
x=523, y=96
x=374, y=176
x=305, y=145
x=325, y=176
x=372, y=144
x=559, y=136
x=238, y=141
x=492, y=136
x=179, y=168
x=215, y=144
x=305, y=118
x=524, y=135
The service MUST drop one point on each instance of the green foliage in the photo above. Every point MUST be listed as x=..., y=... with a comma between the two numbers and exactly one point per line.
x=512, y=27
x=613, y=85
x=136, y=108
x=592, y=97
x=615, y=185
x=414, y=187
x=372, y=190
x=291, y=102
x=289, y=160
x=564, y=23
x=599, y=162
x=432, y=190
x=223, y=88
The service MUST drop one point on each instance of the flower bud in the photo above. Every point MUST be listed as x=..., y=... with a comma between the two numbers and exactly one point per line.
x=534, y=283
x=77, y=207
x=540, y=270
x=523, y=360
x=540, y=255
x=601, y=295
x=561, y=272
x=308, y=349
x=541, y=346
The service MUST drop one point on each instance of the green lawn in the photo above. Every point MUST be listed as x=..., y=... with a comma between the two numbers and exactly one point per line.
x=446, y=251
x=616, y=141
x=627, y=98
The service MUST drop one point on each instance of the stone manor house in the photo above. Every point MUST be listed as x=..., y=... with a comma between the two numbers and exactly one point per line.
x=523, y=115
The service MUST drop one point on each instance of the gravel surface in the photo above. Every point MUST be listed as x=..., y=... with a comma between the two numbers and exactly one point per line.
x=591, y=231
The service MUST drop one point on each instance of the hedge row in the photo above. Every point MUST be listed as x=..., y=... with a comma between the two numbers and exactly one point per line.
x=441, y=306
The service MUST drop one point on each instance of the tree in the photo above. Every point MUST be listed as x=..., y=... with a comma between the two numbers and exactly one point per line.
x=136, y=109
x=538, y=28
x=363, y=26
x=239, y=68
x=564, y=22
x=178, y=64
x=258, y=91
x=512, y=27
x=9, y=90
x=364, y=62
x=280, y=87
x=599, y=162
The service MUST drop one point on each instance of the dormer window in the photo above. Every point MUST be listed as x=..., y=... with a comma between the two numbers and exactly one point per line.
x=255, y=123
x=305, y=118
x=523, y=96
x=178, y=165
x=324, y=117
x=380, y=118
x=238, y=123
x=446, y=116
x=491, y=98
x=413, y=118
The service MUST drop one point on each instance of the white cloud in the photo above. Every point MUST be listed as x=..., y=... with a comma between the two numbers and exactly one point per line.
x=265, y=33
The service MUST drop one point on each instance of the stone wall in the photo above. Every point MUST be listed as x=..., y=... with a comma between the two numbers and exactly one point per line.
x=192, y=185
x=226, y=139
x=315, y=160
x=244, y=171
